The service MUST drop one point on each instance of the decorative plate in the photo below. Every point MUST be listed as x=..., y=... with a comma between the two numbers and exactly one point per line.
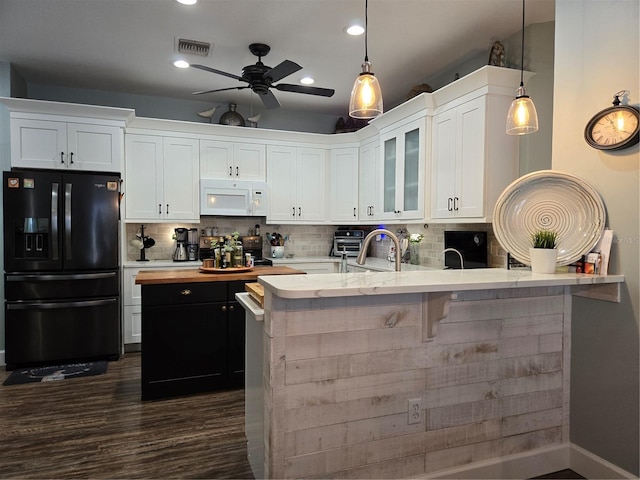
x=226, y=270
x=549, y=200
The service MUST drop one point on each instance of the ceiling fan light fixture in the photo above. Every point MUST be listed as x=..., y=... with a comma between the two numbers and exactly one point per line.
x=307, y=81
x=366, y=95
x=522, y=117
x=187, y=2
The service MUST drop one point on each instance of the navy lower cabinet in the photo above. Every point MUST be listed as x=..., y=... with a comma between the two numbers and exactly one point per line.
x=192, y=340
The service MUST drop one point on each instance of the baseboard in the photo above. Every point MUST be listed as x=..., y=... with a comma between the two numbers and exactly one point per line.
x=2, y=362
x=536, y=462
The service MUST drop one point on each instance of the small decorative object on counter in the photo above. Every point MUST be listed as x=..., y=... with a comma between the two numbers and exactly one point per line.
x=257, y=230
x=414, y=249
x=543, y=251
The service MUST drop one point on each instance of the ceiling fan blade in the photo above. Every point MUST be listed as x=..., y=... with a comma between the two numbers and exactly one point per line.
x=282, y=70
x=269, y=100
x=219, y=90
x=219, y=72
x=288, y=87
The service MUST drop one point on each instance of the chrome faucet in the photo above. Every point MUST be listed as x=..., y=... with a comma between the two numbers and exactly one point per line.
x=367, y=240
x=459, y=254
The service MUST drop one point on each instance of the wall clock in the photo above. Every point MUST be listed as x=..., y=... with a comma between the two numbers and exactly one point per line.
x=614, y=128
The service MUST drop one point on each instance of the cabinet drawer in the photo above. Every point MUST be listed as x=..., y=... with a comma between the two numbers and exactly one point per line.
x=184, y=293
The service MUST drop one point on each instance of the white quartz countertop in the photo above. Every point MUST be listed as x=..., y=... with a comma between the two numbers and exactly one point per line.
x=372, y=263
x=388, y=283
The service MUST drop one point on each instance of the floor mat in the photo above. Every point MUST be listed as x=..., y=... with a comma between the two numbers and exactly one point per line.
x=55, y=372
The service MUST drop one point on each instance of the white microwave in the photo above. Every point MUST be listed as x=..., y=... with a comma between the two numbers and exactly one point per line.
x=230, y=197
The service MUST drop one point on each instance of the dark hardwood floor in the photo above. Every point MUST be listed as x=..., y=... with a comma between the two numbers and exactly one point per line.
x=97, y=427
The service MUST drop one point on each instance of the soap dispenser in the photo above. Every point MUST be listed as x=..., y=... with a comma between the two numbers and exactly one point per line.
x=343, y=262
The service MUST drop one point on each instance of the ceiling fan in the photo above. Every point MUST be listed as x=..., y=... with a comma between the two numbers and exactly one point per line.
x=260, y=78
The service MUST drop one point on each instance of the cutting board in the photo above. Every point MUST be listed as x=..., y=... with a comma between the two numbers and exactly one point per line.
x=256, y=291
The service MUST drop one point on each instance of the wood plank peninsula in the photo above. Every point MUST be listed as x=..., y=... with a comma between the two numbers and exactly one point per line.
x=405, y=374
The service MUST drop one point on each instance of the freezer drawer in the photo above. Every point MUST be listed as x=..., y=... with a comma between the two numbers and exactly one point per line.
x=46, y=332
x=59, y=286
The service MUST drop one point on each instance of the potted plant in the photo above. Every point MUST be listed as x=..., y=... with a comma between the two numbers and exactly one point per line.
x=544, y=251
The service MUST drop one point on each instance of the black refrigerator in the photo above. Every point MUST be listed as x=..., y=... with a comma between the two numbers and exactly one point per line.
x=61, y=277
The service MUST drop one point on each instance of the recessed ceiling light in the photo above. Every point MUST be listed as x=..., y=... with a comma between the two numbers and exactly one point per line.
x=307, y=80
x=187, y=2
x=181, y=64
x=354, y=29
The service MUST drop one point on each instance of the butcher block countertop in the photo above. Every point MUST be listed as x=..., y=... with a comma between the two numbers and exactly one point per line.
x=193, y=275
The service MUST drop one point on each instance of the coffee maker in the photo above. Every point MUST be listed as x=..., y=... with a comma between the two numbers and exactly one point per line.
x=180, y=254
x=193, y=241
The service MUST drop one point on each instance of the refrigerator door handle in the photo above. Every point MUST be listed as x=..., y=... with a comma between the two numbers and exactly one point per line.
x=58, y=305
x=67, y=221
x=54, y=220
x=49, y=278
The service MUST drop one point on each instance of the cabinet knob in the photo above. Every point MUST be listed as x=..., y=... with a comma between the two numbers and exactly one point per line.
x=224, y=308
x=231, y=308
x=185, y=292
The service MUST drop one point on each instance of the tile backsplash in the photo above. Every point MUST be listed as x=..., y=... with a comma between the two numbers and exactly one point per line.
x=308, y=240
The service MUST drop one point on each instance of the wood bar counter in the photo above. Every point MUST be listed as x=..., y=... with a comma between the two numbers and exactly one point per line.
x=193, y=330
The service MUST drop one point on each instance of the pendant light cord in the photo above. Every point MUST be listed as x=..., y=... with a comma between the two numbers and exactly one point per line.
x=366, y=29
x=522, y=50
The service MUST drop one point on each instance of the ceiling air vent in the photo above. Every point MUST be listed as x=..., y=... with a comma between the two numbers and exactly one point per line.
x=192, y=47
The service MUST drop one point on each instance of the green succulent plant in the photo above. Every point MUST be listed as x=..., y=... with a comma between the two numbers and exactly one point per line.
x=544, y=239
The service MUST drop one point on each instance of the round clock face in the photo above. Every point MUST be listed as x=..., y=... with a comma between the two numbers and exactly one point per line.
x=613, y=128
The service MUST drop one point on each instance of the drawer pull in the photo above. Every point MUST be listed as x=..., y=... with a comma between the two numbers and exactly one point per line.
x=185, y=292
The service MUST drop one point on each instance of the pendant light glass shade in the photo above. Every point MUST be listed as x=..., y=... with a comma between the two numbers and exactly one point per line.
x=366, y=95
x=522, y=117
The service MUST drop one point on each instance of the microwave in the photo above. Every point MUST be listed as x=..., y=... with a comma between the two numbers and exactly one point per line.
x=231, y=197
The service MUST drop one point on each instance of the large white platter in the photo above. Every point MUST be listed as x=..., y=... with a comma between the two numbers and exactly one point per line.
x=551, y=200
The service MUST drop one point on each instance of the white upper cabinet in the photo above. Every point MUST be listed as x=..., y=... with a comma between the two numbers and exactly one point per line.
x=161, y=178
x=402, y=180
x=65, y=145
x=369, y=174
x=343, y=185
x=224, y=160
x=473, y=159
x=296, y=184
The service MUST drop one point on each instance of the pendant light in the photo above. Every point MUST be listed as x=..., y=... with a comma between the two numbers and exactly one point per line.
x=366, y=96
x=522, y=117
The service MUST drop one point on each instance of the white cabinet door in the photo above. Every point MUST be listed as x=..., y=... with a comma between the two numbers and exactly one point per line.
x=458, y=163
x=343, y=191
x=402, y=182
x=94, y=147
x=162, y=180
x=280, y=183
x=62, y=145
x=181, y=180
x=310, y=182
x=369, y=167
x=224, y=160
x=216, y=159
x=143, y=182
x=132, y=320
x=249, y=162
x=296, y=180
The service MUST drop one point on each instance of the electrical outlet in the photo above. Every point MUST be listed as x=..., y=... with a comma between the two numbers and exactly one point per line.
x=414, y=410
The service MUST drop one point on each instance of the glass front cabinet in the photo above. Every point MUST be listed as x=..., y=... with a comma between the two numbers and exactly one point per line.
x=403, y=171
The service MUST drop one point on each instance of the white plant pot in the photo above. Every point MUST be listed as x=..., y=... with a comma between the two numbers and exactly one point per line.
x=543, y=260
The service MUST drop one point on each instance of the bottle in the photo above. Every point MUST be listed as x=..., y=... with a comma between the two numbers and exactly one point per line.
x=257, y=230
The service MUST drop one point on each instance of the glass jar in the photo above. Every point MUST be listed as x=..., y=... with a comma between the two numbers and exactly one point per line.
x=238, y=256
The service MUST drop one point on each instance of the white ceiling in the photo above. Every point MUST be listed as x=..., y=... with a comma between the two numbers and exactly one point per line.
x=128, y=45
